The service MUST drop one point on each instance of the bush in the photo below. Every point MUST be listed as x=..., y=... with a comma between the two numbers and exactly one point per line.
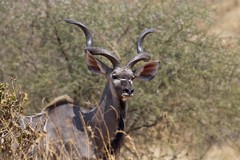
x=14, y=142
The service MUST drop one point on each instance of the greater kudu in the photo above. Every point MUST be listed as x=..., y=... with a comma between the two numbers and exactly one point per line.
x=98, y=132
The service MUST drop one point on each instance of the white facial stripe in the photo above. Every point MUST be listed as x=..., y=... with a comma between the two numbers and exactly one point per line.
x=123, y=79
x=131, y=82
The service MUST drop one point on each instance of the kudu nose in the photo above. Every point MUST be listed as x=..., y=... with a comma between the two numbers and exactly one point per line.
x=128, y=91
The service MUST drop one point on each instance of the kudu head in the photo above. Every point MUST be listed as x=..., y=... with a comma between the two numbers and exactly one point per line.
x=119, y=77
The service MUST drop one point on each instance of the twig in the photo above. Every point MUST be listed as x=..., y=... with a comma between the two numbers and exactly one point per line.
x=146, y=125
x=69, y=66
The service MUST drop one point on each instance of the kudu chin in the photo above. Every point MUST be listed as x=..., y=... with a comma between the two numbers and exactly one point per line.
x=97, y=133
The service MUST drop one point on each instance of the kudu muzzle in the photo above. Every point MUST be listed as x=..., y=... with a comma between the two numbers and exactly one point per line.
x=127, y=87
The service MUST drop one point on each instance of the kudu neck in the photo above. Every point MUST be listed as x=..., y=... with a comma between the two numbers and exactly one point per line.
x=110, y=98
x=109, y=117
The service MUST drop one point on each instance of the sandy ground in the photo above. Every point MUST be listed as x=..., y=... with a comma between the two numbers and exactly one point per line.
x=227, y=18
x=224, y=152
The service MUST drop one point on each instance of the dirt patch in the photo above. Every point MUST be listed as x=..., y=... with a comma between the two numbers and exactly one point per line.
x=227, y=18
x=222, y=153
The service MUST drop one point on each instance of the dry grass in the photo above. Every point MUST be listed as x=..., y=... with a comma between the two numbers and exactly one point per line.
x=15, y=142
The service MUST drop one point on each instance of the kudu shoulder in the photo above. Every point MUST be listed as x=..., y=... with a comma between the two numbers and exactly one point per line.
x=64, y=99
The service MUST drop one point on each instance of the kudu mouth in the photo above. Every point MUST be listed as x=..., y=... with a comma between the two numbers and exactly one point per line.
x=127, y=94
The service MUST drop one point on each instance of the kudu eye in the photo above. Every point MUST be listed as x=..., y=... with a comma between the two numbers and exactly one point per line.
x=114, y=76
x=133, y=77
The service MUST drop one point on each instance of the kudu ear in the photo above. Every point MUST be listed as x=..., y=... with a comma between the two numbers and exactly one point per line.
x=148, y=71
x=95, y=65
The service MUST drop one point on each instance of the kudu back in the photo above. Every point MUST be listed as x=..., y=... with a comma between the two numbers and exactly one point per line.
x=97, y=133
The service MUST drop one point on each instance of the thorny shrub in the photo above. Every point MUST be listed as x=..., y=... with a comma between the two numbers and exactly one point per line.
x=14, y=141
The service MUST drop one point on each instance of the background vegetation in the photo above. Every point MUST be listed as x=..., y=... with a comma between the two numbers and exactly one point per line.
x=190, y=106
